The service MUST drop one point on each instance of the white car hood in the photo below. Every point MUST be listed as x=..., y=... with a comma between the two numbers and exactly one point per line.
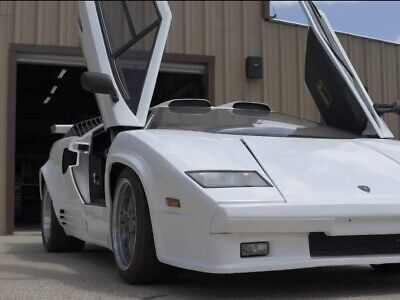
x=330, y=171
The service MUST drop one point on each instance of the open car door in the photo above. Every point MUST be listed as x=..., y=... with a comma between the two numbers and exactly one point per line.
x=126, y=40
x=333, y=82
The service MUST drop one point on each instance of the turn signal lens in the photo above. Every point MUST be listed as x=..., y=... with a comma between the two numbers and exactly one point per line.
x=254, y=249
x=172, y=202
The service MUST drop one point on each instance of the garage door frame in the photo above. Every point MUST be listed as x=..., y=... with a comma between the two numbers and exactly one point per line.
x=18, y=50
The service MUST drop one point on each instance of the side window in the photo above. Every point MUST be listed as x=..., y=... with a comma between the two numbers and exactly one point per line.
x=130, y=30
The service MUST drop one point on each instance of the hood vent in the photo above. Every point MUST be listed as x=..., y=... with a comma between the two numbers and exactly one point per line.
x=258, y=106
x=185, y=102
x=189, y=103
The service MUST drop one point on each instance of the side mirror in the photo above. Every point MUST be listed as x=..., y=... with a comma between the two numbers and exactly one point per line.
x=99, y=83
x=387, y=108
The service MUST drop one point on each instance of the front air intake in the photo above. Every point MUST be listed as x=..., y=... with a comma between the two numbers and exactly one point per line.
x=322, y=245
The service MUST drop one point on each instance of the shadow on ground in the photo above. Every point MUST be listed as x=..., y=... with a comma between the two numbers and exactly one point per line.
x=92, y=271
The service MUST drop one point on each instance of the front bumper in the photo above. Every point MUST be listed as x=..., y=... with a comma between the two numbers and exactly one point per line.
x=285, y=226
x=220, y=254
x=333, y=219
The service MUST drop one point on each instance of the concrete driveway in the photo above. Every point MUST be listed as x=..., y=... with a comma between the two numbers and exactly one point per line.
x=27, y=272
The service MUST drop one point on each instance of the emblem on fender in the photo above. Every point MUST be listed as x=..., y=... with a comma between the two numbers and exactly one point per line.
x=364, y=188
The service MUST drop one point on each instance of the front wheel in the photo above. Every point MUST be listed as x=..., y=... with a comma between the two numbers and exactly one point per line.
x=132, y=234
x=53, y=235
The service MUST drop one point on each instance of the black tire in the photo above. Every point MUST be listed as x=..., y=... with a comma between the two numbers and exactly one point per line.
x=55, y=239
x=144, y=267
x=392, y=268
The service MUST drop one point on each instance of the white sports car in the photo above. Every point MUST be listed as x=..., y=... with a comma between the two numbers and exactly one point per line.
x=227, y=189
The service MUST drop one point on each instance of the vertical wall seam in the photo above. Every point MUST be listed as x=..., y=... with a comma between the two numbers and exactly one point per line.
x=298, y=81
x=244, y=45
x=14, y=21
x=383, y=75
x=224, y=47
x=59, y=24
x=36, y=22
x=368, y=66
x=185, y=27
x=206, y=29
x=265, y=66
x=281, y=87
x=16, y=10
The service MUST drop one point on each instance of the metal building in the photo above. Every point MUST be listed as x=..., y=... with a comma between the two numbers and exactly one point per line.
x=208, y=39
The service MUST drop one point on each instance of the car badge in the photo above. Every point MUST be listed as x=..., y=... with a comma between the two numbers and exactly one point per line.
x=364, y=188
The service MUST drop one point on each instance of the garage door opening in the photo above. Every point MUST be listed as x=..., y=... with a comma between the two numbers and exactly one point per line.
x=178, y=85
x=52, y=94
x=46, y=95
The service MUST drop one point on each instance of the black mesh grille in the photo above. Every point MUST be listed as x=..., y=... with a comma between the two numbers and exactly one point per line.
x=323, y=245
x=81, y=128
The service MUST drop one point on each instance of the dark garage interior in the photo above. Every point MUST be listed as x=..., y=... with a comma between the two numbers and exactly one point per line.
x=46, y=95
x=52, y=94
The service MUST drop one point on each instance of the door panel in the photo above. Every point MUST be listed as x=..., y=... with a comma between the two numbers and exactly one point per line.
x=337, y=104
x=333, y=82
x=87, y=172
x=101, y=141
x=79, y=172
x=126, y=40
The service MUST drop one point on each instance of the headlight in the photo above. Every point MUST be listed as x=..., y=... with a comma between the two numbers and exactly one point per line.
x=227, y=179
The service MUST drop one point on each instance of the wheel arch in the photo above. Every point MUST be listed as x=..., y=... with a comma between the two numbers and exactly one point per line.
x=42, y=183
x=115, y=169
x=114, y=166
x=48, y=178
x=142, y=170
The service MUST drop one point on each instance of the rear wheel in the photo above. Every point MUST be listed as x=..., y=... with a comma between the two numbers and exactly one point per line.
x=132, y=234
x=53, y=235
x=387, y=267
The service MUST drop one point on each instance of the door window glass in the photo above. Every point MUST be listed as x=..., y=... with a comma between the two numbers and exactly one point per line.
x=130, y=30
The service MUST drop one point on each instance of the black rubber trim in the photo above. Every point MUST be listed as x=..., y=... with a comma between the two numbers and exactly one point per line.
x=322, y=245
x=83, y=147
x=69, y=159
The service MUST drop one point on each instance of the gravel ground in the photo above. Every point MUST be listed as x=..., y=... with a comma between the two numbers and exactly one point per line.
x=27, y=272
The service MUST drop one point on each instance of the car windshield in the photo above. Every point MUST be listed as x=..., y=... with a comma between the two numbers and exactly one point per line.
x=241, y=122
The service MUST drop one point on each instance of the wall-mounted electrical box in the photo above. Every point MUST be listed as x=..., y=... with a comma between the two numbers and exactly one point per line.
x=254, y=67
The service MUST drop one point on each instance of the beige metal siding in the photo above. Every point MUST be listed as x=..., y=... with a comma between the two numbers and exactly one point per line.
x=6, y=26
x=230, y=31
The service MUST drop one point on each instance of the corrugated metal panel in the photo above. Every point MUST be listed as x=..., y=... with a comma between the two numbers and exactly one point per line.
x=25, y=22
x=252, y=46
x=68, y=16
x=271, y=58
x=47, y=30
x=6, y=35
x=7, y=8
